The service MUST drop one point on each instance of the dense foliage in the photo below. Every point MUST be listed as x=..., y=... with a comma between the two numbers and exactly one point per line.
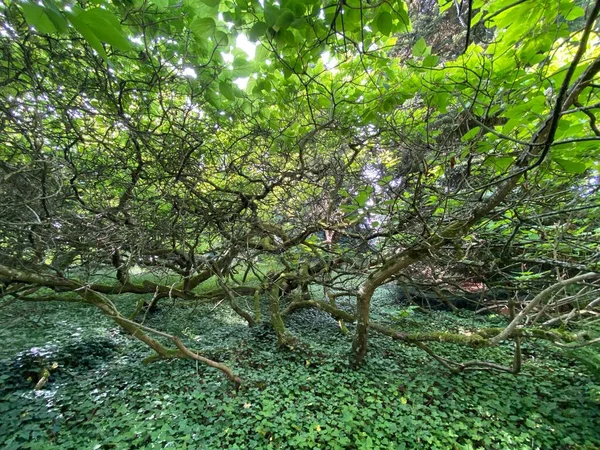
x=285, y=159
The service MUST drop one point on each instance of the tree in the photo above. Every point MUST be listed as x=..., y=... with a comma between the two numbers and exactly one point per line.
x=129, y=140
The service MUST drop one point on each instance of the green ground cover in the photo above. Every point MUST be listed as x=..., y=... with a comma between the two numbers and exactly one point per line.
x=101, y=395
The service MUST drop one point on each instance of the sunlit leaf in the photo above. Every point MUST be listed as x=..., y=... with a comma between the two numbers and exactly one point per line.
x=203, y=27
x=419, y=48
x=500, y=163
x=384, y=23
x=87, y=33
x=36, y=17
x=105, y=26
x=257, y=31
x=285, y=19
x=161, y=4
x=226, y=89
x=470, y=134
x=571, y=166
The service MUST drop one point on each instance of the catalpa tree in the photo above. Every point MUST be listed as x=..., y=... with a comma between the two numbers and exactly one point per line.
x=294, y=154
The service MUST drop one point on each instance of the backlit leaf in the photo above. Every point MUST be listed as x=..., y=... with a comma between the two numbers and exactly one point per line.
x=571, y=166
x=105, y=26
x=384, y=23
x=36, y=16
x=419, y=48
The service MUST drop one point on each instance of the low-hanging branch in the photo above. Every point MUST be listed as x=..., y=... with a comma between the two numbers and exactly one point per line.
x=541, y=297
x=184, y=352
x=478, y=338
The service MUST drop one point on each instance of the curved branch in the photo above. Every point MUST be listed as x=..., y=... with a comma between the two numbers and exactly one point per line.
x=542, y=296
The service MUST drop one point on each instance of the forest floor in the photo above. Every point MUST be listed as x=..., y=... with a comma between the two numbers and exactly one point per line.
x=101, y=396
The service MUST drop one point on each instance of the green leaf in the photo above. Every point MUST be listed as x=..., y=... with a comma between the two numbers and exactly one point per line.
x=571, y=166
x=105, y=26
x=212, y=98
x=362, y=198
x=440, y=99
x=263, y=85
x=348, y=208
x=271, y=15
x=298, y=8
x=161, y=4
x=430, y=61
x=226, y=89
x=284, y=20
x=404, y=24
x=262, y=53
x=475, y=20
x=238, y=92
x=88, y=35
x=285, y=37
x=36, y=17
x=247, y=107
x=470, y=134
x=420, y=48
x=511, y=124
x=202, y=10
x=384, y=23
x=500, y=163
x=445, y=5
x=211, y=3
x=242, y=67
x=221, y=38
x=203, y=27
x=574, y=13
x=257, y=31
x=56, y=16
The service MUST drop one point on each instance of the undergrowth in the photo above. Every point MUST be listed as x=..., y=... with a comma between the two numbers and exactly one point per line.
x=100, y=395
